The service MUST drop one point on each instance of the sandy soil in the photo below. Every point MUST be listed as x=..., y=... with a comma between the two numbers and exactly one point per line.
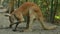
x=37, y=29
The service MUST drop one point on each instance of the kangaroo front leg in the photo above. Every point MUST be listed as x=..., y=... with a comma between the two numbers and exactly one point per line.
x=11, y=18
x=15, y=29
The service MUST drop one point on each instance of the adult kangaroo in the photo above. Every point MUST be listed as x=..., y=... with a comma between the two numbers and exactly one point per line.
x=33, y=12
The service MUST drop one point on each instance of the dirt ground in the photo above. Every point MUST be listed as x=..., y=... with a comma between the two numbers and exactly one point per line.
x=37, y=29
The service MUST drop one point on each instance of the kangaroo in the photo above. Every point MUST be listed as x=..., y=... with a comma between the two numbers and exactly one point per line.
x=33, y=12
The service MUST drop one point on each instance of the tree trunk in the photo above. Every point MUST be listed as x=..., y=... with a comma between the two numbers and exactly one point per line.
x=53, y=10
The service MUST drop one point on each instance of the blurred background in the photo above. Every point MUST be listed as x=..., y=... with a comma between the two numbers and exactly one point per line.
x=50, y=8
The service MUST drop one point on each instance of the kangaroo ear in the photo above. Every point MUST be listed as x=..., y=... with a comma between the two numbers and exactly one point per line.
x=7, y=15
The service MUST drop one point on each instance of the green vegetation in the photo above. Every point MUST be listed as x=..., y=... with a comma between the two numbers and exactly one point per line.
x=50, y=8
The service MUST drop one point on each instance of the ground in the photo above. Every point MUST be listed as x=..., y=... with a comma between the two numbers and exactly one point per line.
x=37, y=29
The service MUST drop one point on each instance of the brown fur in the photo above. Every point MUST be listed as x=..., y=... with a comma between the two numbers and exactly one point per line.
x=35, y=13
